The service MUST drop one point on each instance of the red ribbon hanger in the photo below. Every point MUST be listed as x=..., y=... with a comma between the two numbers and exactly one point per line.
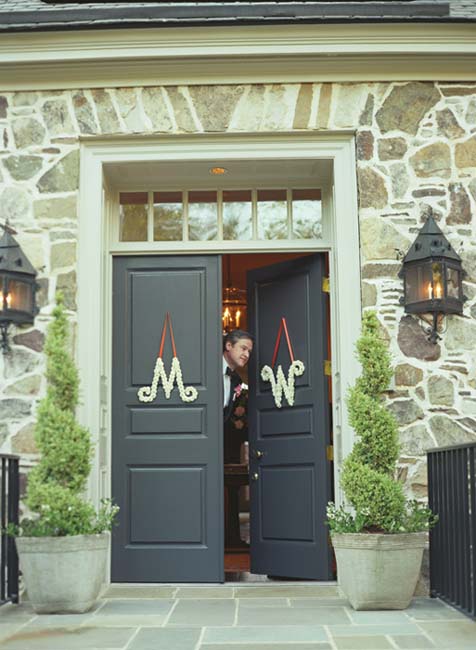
x=167, y=322
x=282, y=326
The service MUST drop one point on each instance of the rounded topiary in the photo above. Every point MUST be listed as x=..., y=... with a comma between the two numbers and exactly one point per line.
x=56, y=485
x=368, y=473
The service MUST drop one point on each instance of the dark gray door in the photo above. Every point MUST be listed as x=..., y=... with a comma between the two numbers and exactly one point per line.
x=289, y=472
x=167, y=472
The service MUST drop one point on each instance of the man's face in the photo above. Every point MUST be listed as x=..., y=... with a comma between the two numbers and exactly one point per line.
x=237, y=355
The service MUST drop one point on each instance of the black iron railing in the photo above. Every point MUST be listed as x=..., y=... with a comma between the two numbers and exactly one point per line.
x=9, y=497
x=452, y=496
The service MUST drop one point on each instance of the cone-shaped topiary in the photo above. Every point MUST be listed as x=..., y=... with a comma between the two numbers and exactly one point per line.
x=56, y=484
x=368, y=472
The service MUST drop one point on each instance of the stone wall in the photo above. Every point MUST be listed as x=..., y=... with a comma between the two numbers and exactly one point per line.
x=416, y=153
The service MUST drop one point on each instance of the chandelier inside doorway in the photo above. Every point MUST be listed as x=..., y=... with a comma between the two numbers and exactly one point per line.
x=234, y=303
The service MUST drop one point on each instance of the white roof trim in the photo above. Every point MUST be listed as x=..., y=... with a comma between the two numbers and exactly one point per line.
x=238, y=55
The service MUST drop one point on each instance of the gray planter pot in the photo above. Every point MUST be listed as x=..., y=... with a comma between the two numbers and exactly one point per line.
x=63, y=575
x=377, y=571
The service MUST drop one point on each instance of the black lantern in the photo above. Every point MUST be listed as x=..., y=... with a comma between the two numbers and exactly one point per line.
x=17, y=286
x=432, y=277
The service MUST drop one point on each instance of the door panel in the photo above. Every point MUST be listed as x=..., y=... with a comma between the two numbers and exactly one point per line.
x=182, y=421
x=184, y=291
x=289, y=497
x=167, y=472
x=281, y=518
x=271, y=424
x=164, y=525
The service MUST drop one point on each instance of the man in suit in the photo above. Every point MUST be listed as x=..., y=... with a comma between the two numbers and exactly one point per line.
x=237, y=347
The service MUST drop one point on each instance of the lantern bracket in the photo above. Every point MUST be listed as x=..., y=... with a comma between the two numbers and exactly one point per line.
x=433, y=335
x=4, y=345
x=432, y=325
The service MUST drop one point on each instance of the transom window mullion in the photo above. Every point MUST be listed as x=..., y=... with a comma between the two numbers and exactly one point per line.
x=254, y=214
x=289, y=198
x=117, y=225
x=150, y=217
x=220, y=214
x=185, y=215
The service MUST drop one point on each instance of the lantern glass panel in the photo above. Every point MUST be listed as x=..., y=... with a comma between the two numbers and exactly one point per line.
x=418, y=283
x=5, y=300
x=19, y=297
x=452, y=282
x=437, y=281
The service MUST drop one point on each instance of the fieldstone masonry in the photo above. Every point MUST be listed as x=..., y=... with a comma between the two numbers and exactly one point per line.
x=416, y=155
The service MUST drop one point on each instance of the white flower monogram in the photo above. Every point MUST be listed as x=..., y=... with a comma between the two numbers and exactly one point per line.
x=279, y=383
x=149, y=393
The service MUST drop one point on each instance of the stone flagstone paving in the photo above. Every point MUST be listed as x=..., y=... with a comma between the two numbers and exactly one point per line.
x=236, y=617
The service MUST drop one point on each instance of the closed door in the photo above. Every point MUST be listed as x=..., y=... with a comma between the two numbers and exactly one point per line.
x=167, y=471
x=289, y=471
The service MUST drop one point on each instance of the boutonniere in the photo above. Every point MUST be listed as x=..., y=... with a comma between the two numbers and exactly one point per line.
x=237, y=391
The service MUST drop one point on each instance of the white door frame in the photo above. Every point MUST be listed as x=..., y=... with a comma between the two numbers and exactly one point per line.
x=95, y=263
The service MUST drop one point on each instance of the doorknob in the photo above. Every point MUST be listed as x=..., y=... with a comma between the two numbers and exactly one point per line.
x=255, y=476
x=258, y=453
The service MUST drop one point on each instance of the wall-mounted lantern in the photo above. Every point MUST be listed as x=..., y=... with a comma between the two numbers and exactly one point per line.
x=432, y=278
x=17, y=286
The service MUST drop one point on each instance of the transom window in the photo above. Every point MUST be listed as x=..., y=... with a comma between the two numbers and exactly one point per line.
x=220, y=215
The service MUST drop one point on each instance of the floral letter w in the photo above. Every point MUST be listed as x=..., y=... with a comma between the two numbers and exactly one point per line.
x=279, y=384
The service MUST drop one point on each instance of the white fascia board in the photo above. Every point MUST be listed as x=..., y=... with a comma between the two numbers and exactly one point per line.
x=237, y=41
x=238, y=55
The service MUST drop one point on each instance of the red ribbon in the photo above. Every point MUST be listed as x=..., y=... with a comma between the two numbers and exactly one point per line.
x=167, y=322
x=282, y=326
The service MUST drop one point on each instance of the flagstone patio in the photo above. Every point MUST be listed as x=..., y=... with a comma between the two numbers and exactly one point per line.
x=235, y=617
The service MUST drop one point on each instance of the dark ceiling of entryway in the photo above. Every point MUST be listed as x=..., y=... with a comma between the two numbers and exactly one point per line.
x=243, y=173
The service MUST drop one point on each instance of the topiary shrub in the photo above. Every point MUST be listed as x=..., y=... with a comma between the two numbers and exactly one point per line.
x=56, y=485
x=368, y=473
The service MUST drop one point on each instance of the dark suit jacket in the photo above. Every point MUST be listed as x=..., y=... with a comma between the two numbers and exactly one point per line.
x=235, y=379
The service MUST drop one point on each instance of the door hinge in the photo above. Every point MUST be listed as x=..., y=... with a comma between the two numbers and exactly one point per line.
x=330, y=452
x=326, y=285
x=327, y=367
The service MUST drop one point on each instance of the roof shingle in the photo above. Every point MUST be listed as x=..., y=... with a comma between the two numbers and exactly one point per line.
x=19, y=15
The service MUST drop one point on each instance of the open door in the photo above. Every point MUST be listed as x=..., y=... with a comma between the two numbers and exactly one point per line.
x=289, y=470
x=167, y=467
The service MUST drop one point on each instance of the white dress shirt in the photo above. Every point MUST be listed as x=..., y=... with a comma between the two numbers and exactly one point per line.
x=226, y=384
